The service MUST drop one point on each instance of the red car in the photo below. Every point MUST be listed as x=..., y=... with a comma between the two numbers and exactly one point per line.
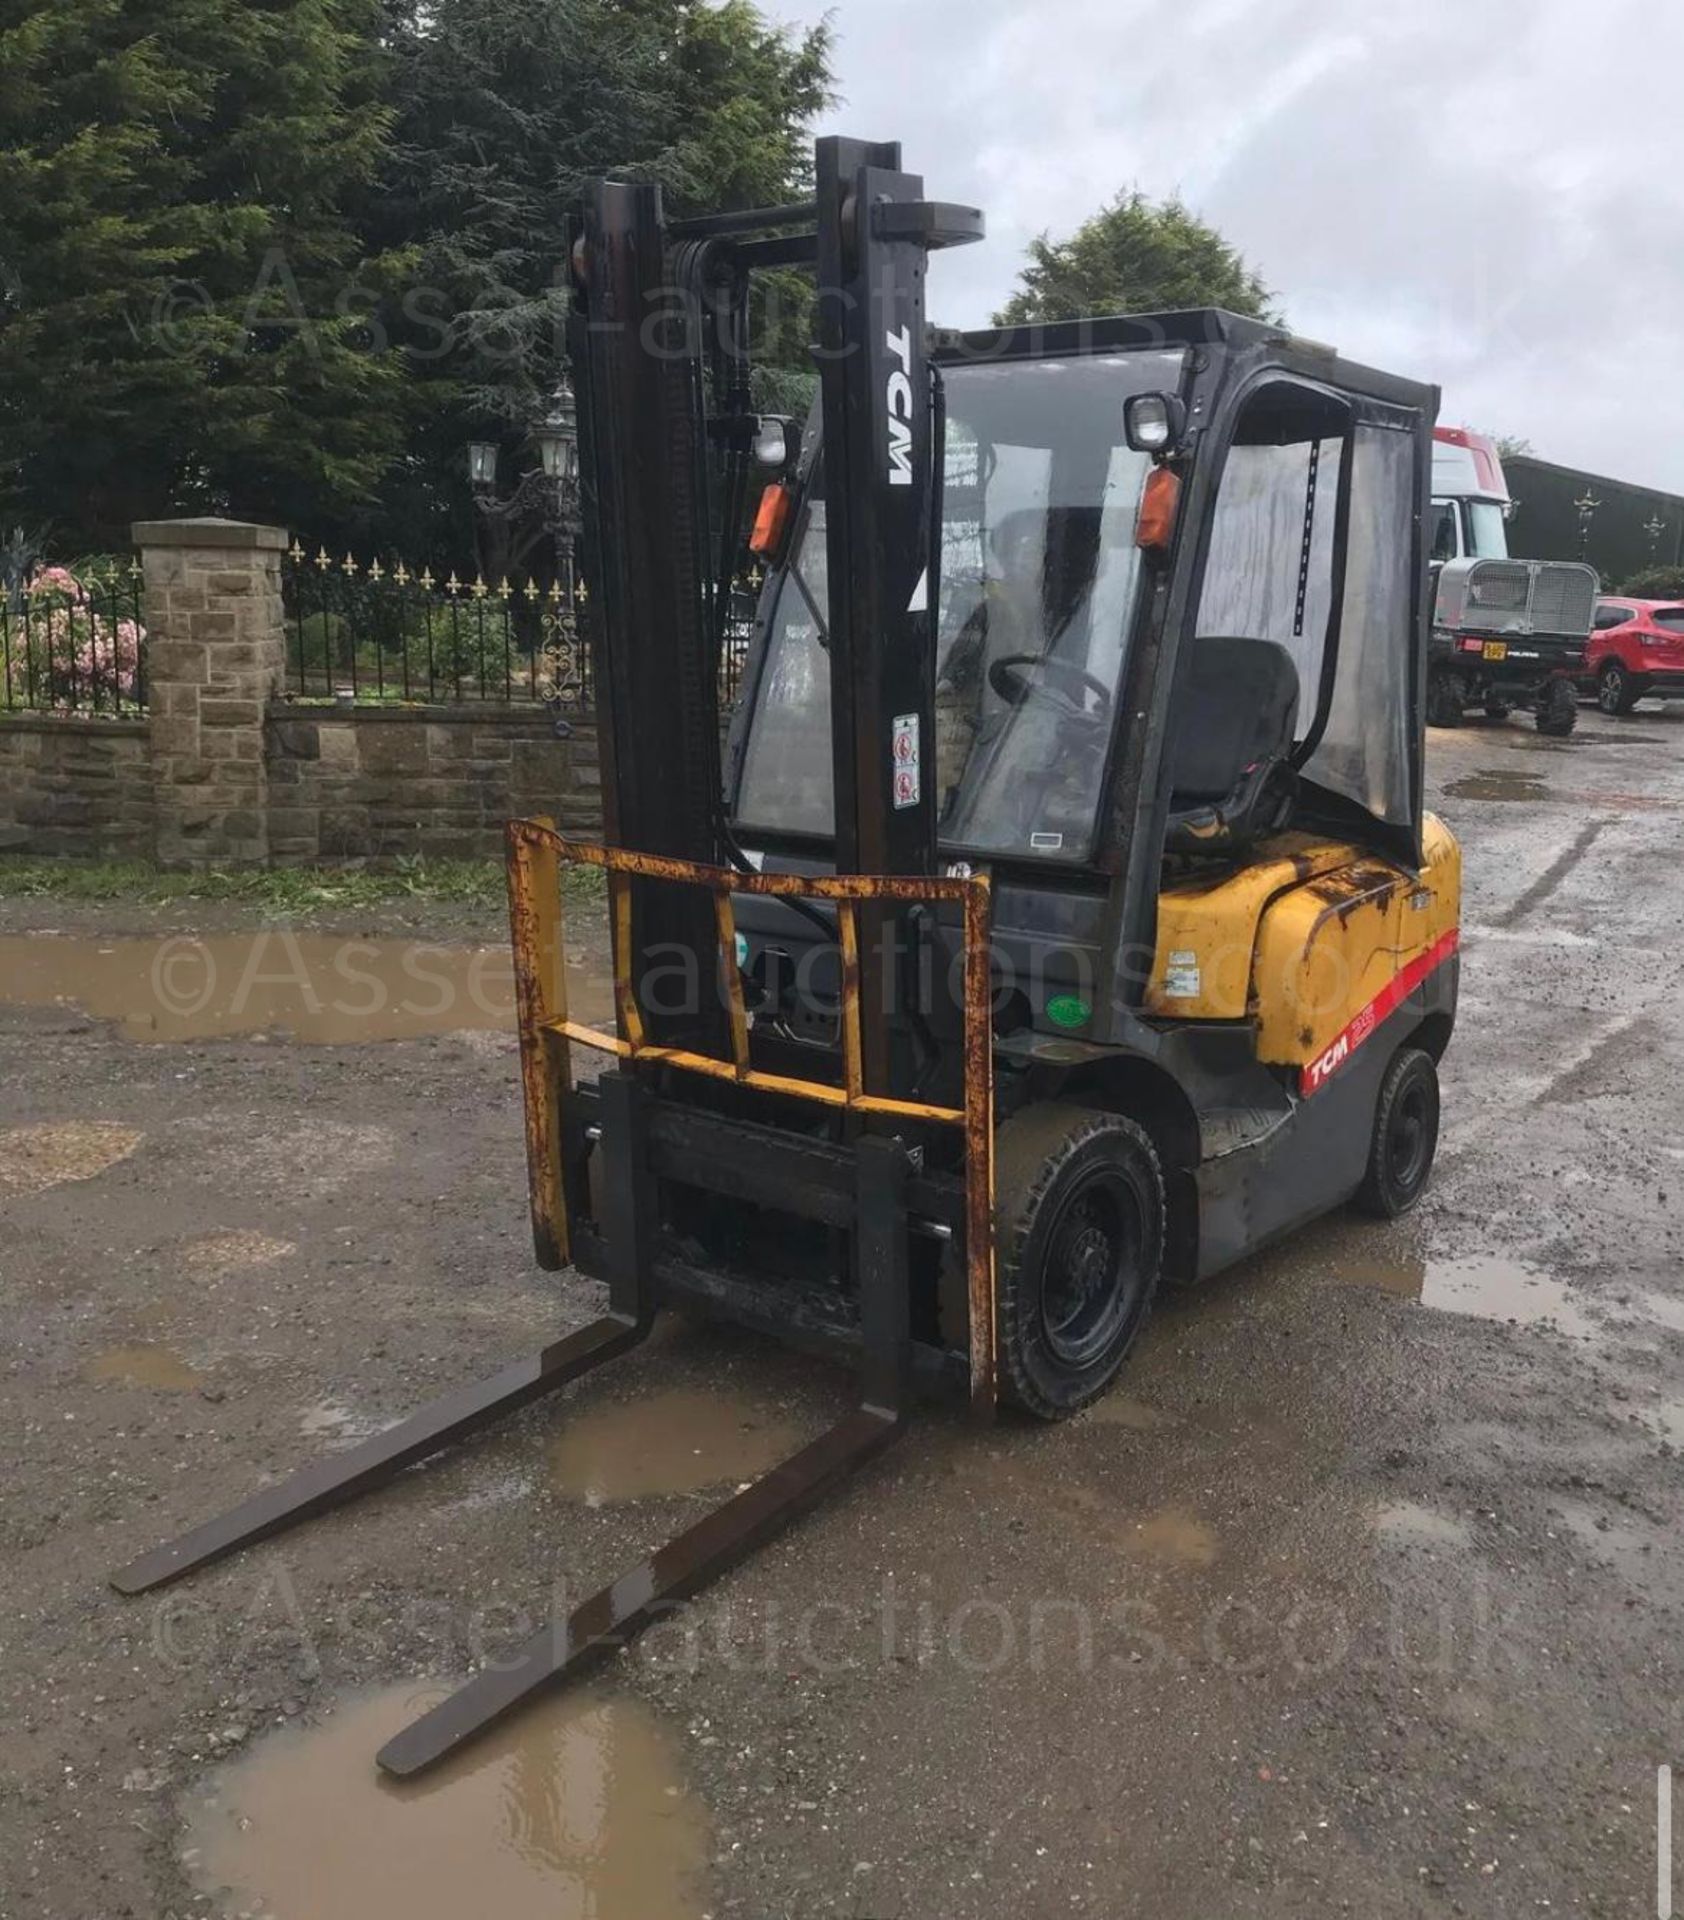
x=1636, y=647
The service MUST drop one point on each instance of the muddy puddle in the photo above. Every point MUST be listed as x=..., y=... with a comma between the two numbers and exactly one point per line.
x=145, y=1365
x=318, y=988
x=677, y=1442
x=576, y=1811
x=1484, y=1286
x=1497, y=783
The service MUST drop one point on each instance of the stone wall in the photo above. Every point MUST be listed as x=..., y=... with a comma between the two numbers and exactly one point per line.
x=77, y=787
x=222, y=772
x=214, y=655
x=440, y=781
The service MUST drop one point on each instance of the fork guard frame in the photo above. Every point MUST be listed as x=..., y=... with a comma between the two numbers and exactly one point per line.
x=537, y=854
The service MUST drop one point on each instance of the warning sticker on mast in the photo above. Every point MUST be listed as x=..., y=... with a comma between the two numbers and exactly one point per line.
x=1320, y=1070
x=905, y=761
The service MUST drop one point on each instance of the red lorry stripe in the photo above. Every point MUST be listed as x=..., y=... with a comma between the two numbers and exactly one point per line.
x=1320, y=1070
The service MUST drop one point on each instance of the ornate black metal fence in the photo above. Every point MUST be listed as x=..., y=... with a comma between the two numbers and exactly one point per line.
x=72, y=640
x=382, y=633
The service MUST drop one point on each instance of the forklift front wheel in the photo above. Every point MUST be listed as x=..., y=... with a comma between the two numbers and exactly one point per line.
x=1079, y=1211
x=1400, y=1156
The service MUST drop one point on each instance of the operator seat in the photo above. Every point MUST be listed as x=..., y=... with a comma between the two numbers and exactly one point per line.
x=1233, y=778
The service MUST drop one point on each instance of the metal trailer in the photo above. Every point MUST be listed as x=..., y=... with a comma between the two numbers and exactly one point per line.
x=1510, y=633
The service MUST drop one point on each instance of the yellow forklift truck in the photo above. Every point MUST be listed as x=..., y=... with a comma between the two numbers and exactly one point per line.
x=1058, y=917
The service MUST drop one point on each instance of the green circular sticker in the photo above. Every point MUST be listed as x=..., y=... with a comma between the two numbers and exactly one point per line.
x=1068, y=1010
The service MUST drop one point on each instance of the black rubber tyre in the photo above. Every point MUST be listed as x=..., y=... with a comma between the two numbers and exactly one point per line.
x=1400, y=1154
x=1079, y=1224
x=1616, y=691
x=1444, y=700
x=1558, y=709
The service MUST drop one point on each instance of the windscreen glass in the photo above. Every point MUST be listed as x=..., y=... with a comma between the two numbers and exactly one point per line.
x=1671, y=618
x=1488, y=530
x=1040, y=581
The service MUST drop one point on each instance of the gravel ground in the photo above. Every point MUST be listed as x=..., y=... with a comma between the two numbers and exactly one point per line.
x=1360, y=1595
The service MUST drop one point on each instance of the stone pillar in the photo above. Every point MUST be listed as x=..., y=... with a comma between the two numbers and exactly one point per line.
x=215, y=653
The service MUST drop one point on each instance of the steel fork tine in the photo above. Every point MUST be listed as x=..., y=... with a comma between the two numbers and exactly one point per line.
x=325, y=1483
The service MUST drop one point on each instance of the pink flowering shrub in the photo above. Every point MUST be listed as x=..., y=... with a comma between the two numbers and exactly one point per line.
x=69, y=646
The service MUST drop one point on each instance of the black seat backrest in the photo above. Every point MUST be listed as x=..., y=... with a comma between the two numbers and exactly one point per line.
x=1240, y=707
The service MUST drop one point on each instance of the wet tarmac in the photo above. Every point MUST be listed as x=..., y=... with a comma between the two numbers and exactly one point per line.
x=1362, y=1593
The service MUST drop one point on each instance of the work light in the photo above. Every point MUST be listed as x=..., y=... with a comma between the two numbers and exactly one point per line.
x=776, y=442
x=1152, y=422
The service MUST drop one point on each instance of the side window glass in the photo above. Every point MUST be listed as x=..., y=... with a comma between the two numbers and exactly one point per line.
x=1269, y=572
x=1444, y=530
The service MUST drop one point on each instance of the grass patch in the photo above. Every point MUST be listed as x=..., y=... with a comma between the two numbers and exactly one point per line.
x=472, y=883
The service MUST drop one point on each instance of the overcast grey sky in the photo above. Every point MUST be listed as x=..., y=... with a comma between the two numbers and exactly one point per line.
x=1484, y=193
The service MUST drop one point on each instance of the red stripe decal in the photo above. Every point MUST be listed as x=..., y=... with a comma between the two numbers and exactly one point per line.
x=1321, y=1069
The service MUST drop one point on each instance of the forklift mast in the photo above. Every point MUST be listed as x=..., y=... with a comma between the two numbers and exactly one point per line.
x=658, y=342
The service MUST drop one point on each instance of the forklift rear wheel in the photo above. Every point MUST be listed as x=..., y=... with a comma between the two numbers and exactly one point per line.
x=1444, y=701
x=1558, y=709
x=1400, y=1156
x=1614, y=690
x=1079, y=1209
x=1498, y=709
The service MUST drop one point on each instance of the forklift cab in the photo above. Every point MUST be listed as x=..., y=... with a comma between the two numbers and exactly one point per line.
x=1179, y=615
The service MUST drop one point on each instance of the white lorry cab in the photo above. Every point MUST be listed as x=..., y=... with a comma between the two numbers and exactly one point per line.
x=1471, y=503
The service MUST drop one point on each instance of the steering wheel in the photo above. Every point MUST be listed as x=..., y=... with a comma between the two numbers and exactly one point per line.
x=1018, y=677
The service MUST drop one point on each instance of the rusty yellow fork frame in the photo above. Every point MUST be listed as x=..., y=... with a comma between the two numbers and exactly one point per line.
x=537, y=853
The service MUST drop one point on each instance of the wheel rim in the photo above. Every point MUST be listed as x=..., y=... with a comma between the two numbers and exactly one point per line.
x=1092, y=1273
x=1611, y=690
x=1409, y=1138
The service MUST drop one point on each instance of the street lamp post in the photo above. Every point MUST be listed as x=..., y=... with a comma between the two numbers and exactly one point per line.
x=557, y=440
x=482, y=466
x=544, y=499
x=1654, y=527
x=1585, y=506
